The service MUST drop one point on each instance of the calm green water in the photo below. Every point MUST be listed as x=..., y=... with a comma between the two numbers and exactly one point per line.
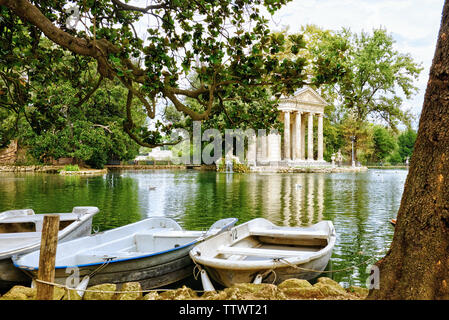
x=359, y=204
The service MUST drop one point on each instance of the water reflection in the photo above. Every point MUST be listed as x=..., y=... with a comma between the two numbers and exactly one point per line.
x=359, y=204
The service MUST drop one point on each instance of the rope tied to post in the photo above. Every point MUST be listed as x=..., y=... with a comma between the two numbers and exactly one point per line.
x=63, y=286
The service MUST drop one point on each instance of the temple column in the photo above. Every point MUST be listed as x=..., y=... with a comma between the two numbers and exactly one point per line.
x=287, y=135
x=297, y=141
x=320, y=137
x=303, y=138
x=310, y=138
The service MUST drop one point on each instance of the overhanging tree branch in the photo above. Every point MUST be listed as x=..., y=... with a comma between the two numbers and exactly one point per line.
x=125, y=6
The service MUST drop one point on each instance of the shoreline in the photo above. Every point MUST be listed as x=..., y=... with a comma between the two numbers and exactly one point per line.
x=291, y=289
x=58, y=169
x=311, y=169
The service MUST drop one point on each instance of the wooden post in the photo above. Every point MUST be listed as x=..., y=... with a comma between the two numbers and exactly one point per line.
x=46, y=272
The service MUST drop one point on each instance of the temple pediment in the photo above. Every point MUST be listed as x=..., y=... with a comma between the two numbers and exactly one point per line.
x=305, y=99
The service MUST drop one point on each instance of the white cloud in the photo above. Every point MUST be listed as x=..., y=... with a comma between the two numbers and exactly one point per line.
x=414, y=24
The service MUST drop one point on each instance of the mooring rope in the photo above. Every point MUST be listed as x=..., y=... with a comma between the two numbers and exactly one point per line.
x=99, y=291
x=324, y=271
x=105, y=263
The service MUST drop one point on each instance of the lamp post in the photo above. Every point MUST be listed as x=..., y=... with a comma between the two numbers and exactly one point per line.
x=352, y=141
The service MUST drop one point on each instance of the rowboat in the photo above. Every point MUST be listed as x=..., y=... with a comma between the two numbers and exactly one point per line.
x=20, y=233
x=259, y=251
x=393, y=222
x=153, y=251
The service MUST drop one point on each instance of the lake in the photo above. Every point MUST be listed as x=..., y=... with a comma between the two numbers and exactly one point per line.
x=359, y=204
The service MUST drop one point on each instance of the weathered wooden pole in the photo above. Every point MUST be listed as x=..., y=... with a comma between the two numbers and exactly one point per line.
x=46, y=272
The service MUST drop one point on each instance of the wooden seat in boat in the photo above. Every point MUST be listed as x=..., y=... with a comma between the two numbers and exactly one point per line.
x=309, y=234
x=260, y=252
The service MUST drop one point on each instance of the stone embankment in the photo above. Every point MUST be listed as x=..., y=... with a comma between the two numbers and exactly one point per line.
x=44, y=168
x=311, y=169
x=84, y=172
x=291, y=289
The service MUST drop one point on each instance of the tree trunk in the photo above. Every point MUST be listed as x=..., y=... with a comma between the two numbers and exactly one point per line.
x=417, y=264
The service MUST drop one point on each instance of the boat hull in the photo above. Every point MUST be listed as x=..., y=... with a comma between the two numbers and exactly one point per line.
x=151, y=272
x=153, y=252
x=228, y=277
x=260, y=248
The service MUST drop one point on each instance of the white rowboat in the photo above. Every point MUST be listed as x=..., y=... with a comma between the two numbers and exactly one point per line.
x=258, y=251
x=154, y=252
x=21, y=232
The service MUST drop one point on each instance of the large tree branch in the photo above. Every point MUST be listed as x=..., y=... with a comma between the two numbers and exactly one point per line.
x=130, y=124
x=98, y=50
x=128, y=7
x=101, y=49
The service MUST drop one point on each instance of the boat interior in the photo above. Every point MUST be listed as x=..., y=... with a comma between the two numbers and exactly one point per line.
x=138, y=244
x=269, y=244
x=33, y=223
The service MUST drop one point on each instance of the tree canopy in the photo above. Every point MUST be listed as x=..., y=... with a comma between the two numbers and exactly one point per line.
x=226, y=43
x=364, y=79
x=55, y=104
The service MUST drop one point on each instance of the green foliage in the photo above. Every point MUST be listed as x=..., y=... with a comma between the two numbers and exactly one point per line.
x=384, y=143
x=364, y=79
x=71, y=167
x=47, y=103
x=395, y=158
x=369, y=74
x=226, y=44
x=406, y=142
x=236, y=167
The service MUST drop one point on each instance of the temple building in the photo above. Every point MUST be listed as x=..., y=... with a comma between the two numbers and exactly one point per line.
x=297, y=113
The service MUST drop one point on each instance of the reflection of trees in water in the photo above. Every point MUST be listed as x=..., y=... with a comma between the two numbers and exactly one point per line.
x=284, y=199
x=358, y=204
x=275, y=197
x=301, y=198
x=116, y=197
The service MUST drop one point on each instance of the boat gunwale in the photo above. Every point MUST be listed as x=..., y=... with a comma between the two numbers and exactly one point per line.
x=112, y=261
x=202, y=236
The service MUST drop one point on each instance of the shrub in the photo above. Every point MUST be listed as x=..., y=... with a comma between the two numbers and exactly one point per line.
x=71, y=167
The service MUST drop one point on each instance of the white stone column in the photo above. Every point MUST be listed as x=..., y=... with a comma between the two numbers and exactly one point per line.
x=310, y=138
x=297, y=146
x=303, y=137
x=287, y=145
x=292, y=135
x=320, y=137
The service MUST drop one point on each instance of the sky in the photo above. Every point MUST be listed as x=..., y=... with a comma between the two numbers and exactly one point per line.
x=414, y=25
